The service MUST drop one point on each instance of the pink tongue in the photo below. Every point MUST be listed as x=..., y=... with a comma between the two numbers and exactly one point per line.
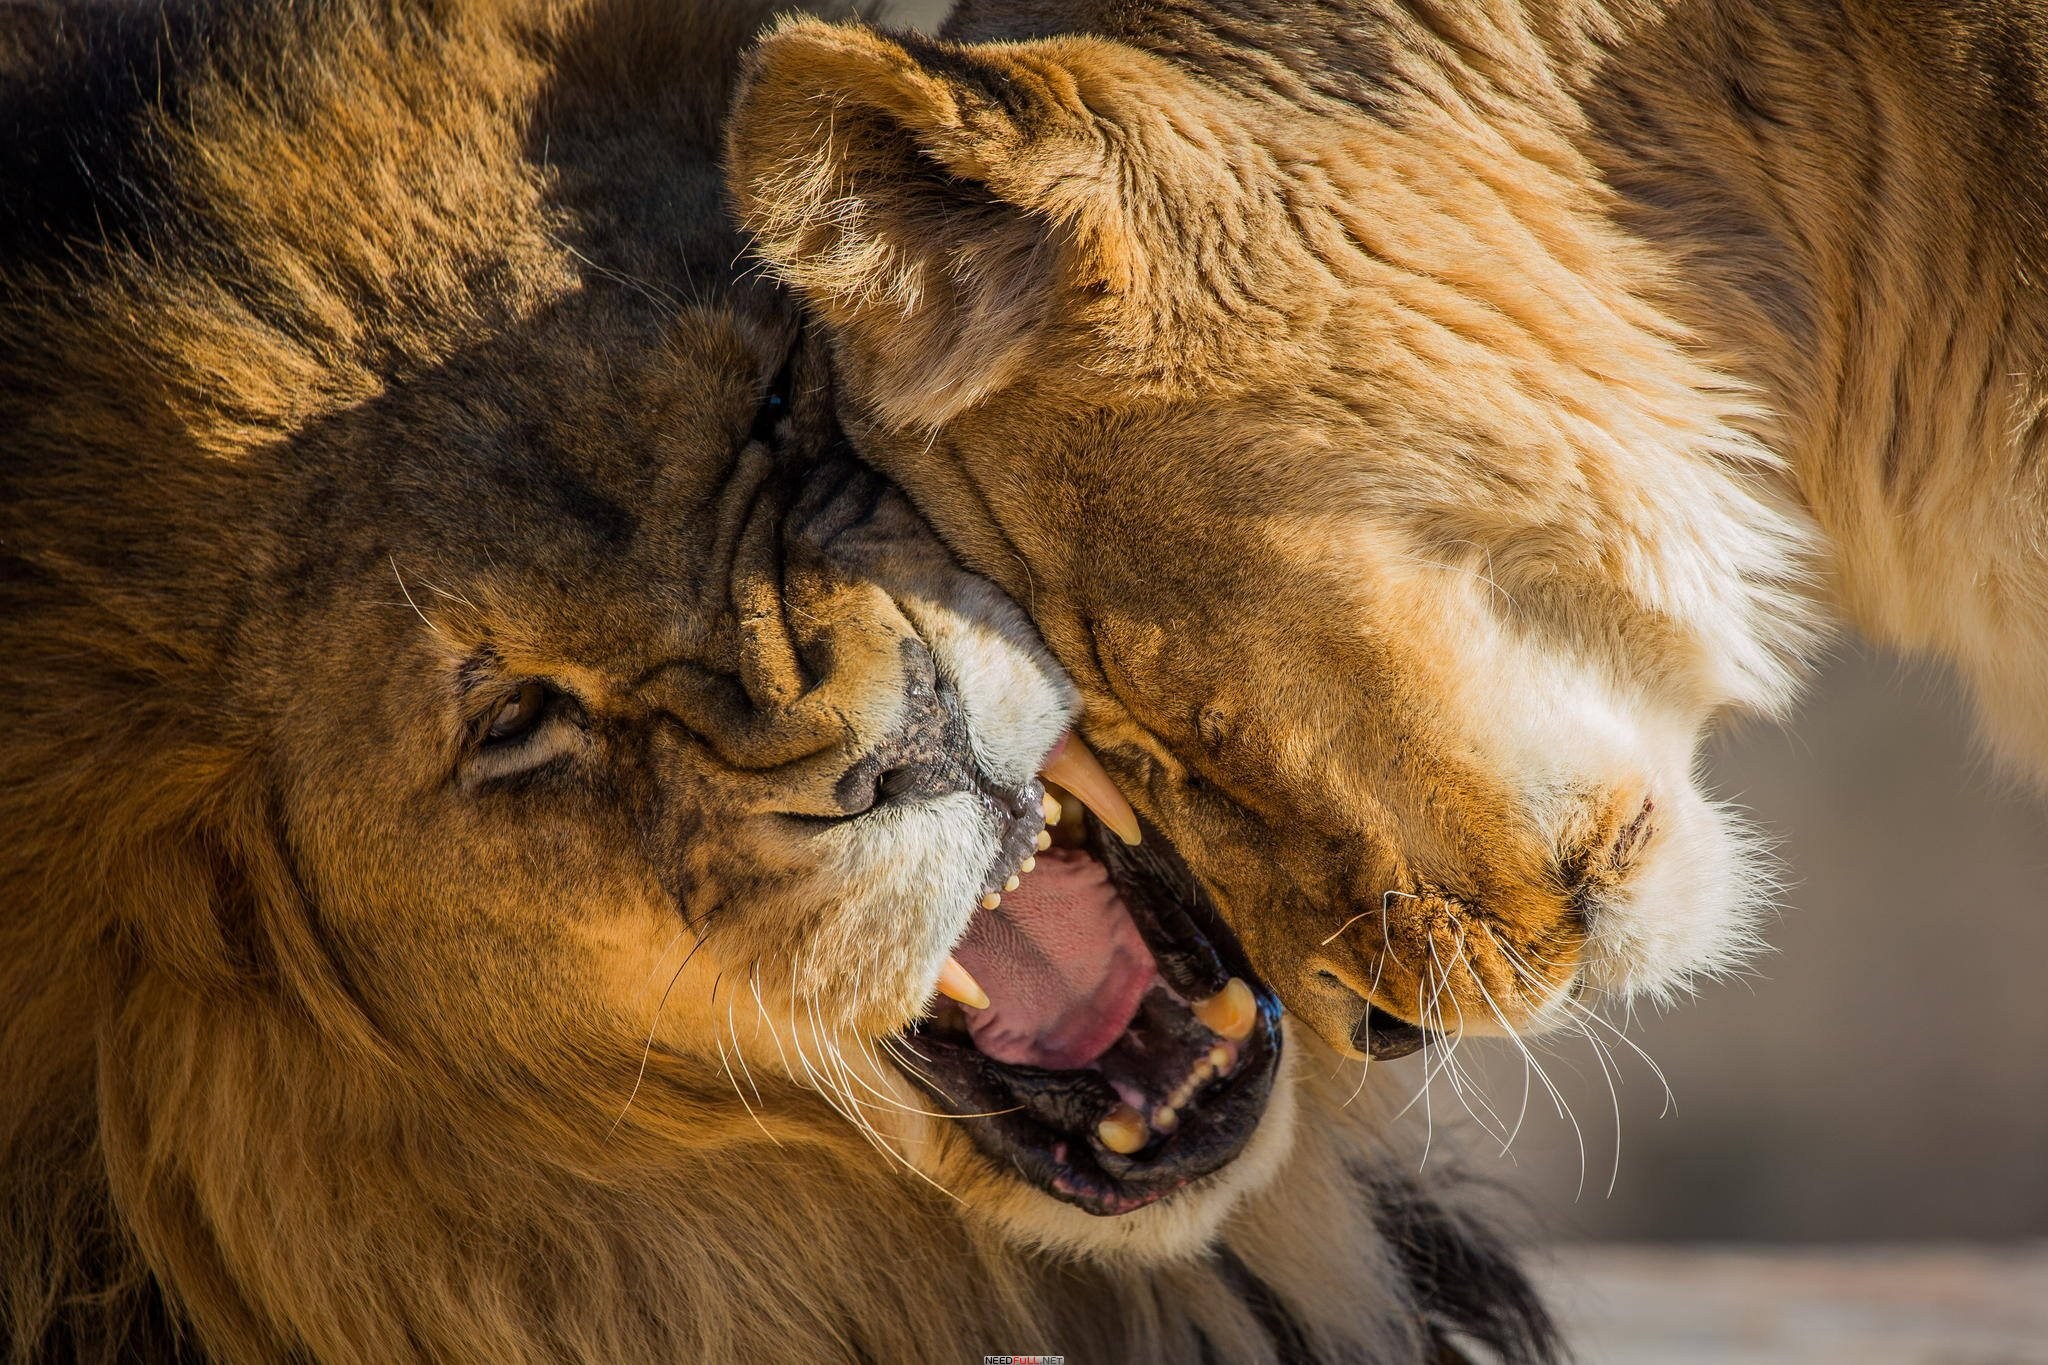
x=1062, y=963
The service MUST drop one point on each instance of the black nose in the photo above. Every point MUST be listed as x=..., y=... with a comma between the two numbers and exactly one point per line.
x=1383, y=1037
x=927, y=755
x=901, y=782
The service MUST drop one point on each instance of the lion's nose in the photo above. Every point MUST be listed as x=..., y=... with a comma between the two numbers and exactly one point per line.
x=925, y=755
x=877, y=780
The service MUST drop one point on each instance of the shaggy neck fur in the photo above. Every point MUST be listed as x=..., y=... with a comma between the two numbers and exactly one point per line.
x=1835, y=204
x=174, y=1202
x=1850, y=193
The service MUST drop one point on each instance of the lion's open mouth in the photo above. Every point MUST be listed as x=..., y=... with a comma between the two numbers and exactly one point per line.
x=1125, y=1047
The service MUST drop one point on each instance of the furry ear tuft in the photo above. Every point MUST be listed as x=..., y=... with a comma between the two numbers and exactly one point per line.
x=865, y=180
x=962, y=212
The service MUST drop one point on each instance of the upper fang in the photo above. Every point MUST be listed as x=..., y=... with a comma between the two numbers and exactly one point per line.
x=1081, y=774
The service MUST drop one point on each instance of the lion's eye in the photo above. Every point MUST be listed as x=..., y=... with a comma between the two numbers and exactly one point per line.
x=778, y=403
x=519, y=714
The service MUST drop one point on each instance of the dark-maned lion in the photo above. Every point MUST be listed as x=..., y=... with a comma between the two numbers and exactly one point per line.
x=1411, y=422
x=487, y=777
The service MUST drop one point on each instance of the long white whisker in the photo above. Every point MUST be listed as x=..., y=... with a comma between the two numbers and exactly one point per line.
x=654, y=1023
x=1564, y=1109
x=719, y=1043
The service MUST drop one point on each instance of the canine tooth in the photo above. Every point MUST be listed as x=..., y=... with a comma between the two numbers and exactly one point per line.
x=1165, y=1119
x=1044, y=841
x=957, y=983
x=1123, y=1131
x=991, y=901
x=1230, y=1012
x=1027, y=864
x=1082, y=775
x=1010, y=885
x=1049, y=807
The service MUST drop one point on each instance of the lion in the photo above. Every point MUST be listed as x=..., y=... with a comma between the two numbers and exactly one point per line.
x=519, y=846
x=1412, y=425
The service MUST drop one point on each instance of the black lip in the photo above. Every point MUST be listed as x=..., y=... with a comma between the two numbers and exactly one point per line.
x=1383, y=1036
x=1040, y=1123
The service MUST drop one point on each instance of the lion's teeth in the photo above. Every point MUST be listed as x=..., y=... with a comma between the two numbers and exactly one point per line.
x=1165, y=1119
x=1049, y=807
x=991, y=901
x=1080, y=773
x=1044, y=840
x=1011, y=885
x=1230, y=1012
x=1219, y=1059
x=1123, y=1131
x=957, y=983
x=1027, y=864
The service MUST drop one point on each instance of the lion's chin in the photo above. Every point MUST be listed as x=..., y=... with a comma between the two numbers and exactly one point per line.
x=1178, y=1228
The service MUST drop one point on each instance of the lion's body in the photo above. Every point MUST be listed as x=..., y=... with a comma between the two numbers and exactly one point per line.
x=352, y=355
x=1850, y=196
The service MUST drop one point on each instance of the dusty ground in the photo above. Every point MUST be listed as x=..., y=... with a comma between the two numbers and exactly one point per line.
x=1631, y=1305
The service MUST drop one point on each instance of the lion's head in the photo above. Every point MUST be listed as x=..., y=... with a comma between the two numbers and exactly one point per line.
x=490, y=774
x=1329, y=432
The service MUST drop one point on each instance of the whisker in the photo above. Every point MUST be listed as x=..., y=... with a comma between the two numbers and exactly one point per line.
x=1564, y=1109
x=654, y=1022
x=719, y=1043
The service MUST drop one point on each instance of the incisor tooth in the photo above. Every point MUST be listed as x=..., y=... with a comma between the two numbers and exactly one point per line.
x=1049, y=807
x=1010, y=885
x=1165, y=1119
x=1082, y=775
x=991, y=901
x=957, y=983
x=1219, y=1059
x=1027, y=864
x=1123, y=1131
x=1230, y=1012
x=1043, y=842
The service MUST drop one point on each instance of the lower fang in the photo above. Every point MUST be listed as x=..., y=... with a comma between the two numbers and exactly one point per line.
x=1230, y=1012
x=1124, y=1131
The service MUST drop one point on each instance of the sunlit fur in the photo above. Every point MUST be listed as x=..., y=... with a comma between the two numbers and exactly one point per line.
x=359, y=361
x=1411, y=425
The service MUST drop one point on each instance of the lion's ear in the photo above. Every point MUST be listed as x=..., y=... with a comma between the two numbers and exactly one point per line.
x=955, y=209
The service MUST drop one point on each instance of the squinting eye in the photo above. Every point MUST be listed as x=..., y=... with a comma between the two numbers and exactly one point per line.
x=776, y=406
x=519, y=713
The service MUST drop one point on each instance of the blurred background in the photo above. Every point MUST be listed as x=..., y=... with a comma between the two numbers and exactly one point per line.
x=1884, y=1074
x=1852, y=1166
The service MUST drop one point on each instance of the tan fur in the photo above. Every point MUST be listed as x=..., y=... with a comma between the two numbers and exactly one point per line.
x=356, y=363
x=1410, y=423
